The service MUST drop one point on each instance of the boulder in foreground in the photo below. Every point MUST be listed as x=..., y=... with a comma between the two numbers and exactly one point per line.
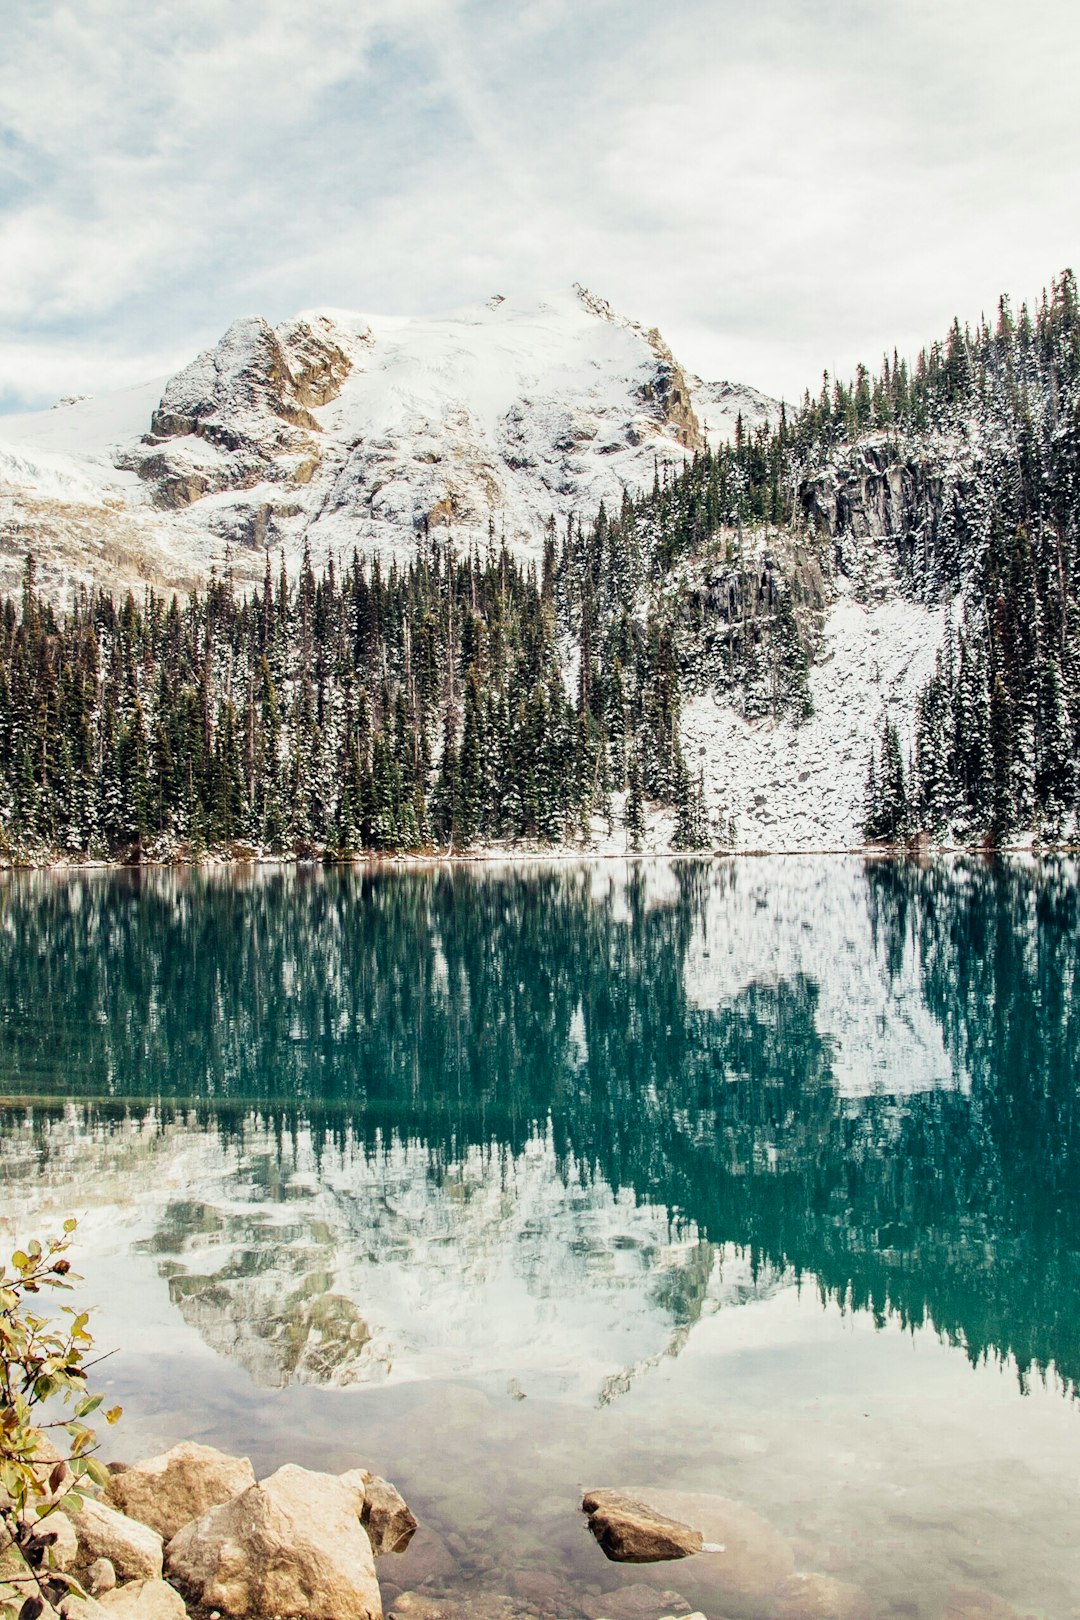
x=291, y=1547
x=629, y=1531
x=133, y=1549
x=168, y=1491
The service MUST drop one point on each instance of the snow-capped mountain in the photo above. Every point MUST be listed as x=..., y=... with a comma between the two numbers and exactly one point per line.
x=338, y=430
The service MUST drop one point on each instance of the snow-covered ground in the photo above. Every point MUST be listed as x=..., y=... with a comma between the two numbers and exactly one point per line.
x=802, y=787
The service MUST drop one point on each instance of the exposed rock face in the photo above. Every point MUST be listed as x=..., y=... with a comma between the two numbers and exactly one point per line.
x=144, y=1600
x=666, y=394
x=168, y=1491
x=240, y=413
x=253, y=371
x=632, y=1532
x=133, y=1549
x=385, y=1516
x=883, y=490
x=821, y=1597
x=670, y=391
x=291, y=1547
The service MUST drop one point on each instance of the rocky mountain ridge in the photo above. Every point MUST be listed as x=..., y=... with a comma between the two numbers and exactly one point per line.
x=337, y=431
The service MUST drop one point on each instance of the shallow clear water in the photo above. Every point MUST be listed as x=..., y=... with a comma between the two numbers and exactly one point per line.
x=755, y=1178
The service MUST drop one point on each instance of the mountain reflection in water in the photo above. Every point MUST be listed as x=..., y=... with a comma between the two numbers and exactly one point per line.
x=378, y=1119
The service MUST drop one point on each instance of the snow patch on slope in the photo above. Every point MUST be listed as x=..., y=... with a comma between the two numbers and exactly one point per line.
x=791, y=787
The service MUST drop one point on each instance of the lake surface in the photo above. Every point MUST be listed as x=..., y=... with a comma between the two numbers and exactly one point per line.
x=756, y=1178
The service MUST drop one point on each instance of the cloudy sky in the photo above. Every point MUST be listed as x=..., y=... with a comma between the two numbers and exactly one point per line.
x=781, y=186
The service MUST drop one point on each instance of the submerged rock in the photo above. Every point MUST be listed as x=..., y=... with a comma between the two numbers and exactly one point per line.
x=633, y=1603
x=463, y=1606
x=630, y=1531
x=969, y=1603
x=821, y=1597
x=742, y=1555
x=426, y=1559
x=168, y=1491
x=291, y=1547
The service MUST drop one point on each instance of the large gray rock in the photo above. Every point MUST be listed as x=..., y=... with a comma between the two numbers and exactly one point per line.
x=385, y=1515
x=144, y=1600
x=168, y=1491
x=291, y=1547
x=630, y=1531
x=133, y=1549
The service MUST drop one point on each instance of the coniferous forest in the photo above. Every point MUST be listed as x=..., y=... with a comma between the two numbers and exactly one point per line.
x=466, y=698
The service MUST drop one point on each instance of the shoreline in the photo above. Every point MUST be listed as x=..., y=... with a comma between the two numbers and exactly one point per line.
x=516, y=855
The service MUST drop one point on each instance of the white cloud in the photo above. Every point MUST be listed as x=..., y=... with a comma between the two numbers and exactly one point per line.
x=780, y=188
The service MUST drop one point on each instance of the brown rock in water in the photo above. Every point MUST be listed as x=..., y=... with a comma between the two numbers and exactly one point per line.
x=291, y=1547
x=133, y=1549
x=821, y=1597
x=144, y=1600
x=385, y=1515
x=756, y=1559
x=630, y=1531
x=168, y=1491
x=542, y=1590
x=426, y=1560
x=632, y=1603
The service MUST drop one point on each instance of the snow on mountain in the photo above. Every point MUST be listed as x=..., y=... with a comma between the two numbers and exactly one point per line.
x=801, y=787
x=339, y=430
x=719, y=405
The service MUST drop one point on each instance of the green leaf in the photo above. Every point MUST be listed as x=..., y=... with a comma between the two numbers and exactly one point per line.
x=88, y=1404
x=97, y=1471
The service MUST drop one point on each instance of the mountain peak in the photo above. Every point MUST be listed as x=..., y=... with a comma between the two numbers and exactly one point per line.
x=339, y=429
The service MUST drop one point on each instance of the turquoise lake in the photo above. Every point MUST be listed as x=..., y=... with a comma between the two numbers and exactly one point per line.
x=755, y=1177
